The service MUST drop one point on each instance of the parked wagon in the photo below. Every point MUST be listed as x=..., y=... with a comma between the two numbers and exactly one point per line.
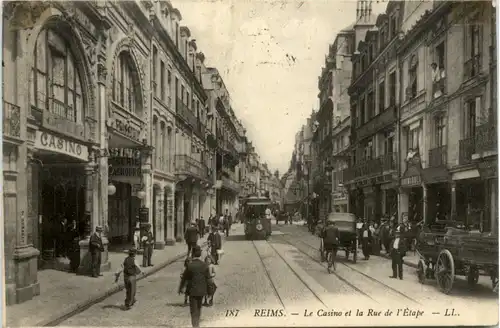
x=348, y=236
x=447, y=251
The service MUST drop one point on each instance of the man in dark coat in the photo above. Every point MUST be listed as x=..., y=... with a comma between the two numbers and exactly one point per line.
x=201, y=227
x=147, y=245
x=95, y=249
x=191, y=237
x=398, y=251
x=366, y=238
x=130, y=271
x=215, y=243
x=195, y=279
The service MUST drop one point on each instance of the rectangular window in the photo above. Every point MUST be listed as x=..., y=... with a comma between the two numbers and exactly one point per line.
x=188, y=100
x=162, y=80
x=440, y=125
x=413, y=140
x=155, y=71
x=362, y=112
x=439, y=56
x=370, y=106
x=381, y=96
x=413, y=78
x=388, y=142
x=471, y=119
x=182, y=95
x=394, y=26
x=382, y=39
x=473, y=50
x=176, y=87
x=392, y=89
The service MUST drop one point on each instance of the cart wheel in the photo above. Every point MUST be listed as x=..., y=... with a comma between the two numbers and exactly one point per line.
x=473, y=276
x=421, y=272
x=445, y=271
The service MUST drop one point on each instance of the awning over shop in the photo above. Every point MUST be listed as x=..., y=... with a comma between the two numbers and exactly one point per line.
x=415, y=175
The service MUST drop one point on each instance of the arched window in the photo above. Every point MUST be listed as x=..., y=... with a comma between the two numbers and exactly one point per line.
x=56, y=83
x=126, y=84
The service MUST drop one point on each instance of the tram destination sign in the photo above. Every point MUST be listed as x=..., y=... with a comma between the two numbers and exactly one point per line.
x=61, y=145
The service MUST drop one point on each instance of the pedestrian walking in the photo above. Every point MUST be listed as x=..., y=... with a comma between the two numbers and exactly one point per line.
x=214, y=243
x=130, y=271
x=148, y=244
x=186, y=295
x=366, y=234
x=95, y=249
x=398, y=251
x=195, y=280
x=74, y=247
x=226, y=226
x=201, y=227
x=212, y=286
x=191, y=237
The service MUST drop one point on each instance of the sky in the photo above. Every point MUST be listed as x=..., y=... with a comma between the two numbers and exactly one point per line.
x=270, y=54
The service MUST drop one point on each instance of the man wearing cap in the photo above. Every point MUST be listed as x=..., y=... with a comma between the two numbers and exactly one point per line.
x=147, y=244
x=130, y=271
x=195, y=280
x=398, y=251
x=95, y=249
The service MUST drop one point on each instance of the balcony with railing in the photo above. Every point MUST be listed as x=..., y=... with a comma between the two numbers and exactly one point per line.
x=438, y=156
x=186, y=165
x=371, y=168
x=389, y=162
x=472, y=66
x=466, y=147
x=229, y=181
x=377, y=123
x=486, y=137
x=438, y=87
x=11, y=120
x=185, y=113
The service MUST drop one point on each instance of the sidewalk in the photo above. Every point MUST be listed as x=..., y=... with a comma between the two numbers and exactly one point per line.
x=63, y=294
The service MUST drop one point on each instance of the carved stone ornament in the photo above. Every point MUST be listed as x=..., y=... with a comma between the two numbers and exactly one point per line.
x=91, y=53
x=102, y=72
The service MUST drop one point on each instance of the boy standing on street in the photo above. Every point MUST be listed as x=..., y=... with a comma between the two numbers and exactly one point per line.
x=130, y=271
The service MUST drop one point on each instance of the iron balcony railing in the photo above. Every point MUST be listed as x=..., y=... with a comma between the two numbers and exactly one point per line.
x=371, y=168
x=438, y=156
x=466, y=147
x=185, y=113
x=185, y=164
x=11, y=120
x=377, y=123
x=486, y=137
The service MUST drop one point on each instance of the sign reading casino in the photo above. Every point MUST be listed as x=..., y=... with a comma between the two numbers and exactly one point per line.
x=56, y=144
x=124, y=162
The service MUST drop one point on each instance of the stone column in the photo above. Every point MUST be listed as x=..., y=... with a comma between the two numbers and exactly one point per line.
x=146, y=180
x=453, y=187
x=425, y=205
x=159, y=231
x=402, y=203
x=179, y=202
x=170, y=199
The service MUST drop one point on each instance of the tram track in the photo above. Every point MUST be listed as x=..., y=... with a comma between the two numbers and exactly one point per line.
x=353, y=269
x=275, y=289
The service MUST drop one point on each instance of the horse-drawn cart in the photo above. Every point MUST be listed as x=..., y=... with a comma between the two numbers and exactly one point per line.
x=348, y=236
x=450, y=251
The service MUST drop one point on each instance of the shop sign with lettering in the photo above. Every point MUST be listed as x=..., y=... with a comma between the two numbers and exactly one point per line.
x=127, y=129
x=50, y=142
x=124, y=162
x=415, y=180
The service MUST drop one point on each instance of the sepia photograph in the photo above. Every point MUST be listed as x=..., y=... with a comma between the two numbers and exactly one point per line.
x=249, y=163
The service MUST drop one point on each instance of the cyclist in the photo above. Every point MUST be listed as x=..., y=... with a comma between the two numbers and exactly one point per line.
x=330, y=235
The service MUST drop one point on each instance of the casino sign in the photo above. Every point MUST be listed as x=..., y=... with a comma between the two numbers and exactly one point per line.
x=57, y=144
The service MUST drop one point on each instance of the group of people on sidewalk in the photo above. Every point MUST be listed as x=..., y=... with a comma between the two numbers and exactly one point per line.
x=198, y=278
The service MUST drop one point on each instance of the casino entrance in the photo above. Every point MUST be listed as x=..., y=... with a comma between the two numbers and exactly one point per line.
x=58, y=189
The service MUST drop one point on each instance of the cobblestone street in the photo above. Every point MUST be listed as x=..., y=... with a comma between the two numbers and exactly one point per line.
x=284, y=273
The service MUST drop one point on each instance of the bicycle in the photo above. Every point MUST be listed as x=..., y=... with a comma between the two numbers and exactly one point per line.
x=331, y=261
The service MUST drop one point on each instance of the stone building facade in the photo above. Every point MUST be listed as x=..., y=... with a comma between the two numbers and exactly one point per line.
x=107, y=123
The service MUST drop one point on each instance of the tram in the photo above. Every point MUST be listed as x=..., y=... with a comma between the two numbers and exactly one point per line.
x=257, y=217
